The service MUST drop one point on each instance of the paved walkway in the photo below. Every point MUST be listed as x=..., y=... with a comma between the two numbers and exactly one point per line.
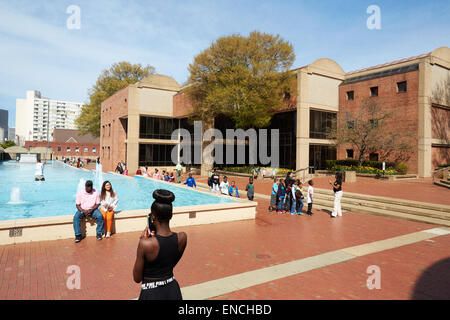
x=293, y=257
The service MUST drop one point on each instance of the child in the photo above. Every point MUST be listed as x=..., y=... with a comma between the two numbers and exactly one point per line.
x=250, y=188
x=166, y=176
x=281, y=194
x=293, y=204
x=190, y=181
x=224, y=186
x=233, y=189
x=273, y=196
x=156, y=175
x=171, y=177
x=310, y=197
x=299, y=196
x=215, y=178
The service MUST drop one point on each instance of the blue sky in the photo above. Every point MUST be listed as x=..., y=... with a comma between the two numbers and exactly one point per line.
x=38, y=52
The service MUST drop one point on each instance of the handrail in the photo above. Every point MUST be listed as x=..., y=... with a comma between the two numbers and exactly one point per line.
x=433, y=173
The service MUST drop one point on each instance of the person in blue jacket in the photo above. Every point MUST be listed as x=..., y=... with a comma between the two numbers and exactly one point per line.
x=281, y=195
x=233, y=189
x=190, y=181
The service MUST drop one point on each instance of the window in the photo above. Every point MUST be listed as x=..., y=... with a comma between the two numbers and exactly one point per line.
x=373, y=156
x=401, y=86
x=374, y=123
x=319, y=124
x=155, y=154
x=349, y=153
x=350, y=95
x=351, y=124
x=77, y=149
x=68, y=149
x=94, y=150
x=85, y=149
x=157, y=128
x=59, y=149
x=374, y=91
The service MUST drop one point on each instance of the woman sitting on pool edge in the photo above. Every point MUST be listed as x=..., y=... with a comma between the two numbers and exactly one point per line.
x=108, y=203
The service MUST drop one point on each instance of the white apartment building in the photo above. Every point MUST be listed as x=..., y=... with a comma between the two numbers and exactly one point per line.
x=37, y=117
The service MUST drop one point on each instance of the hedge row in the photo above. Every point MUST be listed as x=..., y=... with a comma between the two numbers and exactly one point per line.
x=374, y=164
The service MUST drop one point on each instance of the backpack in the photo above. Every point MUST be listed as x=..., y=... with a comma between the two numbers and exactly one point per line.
x=299, y=194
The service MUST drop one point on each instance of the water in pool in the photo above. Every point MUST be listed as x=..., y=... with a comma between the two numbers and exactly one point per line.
x=21, y=197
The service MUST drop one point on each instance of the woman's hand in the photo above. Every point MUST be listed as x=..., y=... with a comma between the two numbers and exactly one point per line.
x=144, y=234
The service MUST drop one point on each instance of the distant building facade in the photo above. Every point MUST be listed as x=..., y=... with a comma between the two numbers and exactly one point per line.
x=37, y=117
x=69, y=143
x=3, y=125
x=12, y=134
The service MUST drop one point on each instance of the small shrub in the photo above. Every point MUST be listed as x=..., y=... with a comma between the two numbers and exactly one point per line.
x=402, y=168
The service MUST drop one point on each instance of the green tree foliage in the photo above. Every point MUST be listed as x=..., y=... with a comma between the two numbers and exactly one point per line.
x=117, y=77
x=245, y=78
x=7, y=144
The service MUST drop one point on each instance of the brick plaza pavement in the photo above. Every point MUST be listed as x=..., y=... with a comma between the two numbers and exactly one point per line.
x=216, y=251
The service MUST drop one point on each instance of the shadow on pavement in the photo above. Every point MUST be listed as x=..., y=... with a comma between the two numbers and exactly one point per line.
x=434, y=284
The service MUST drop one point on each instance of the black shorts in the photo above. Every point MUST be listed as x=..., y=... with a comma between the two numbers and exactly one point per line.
x=153, y=291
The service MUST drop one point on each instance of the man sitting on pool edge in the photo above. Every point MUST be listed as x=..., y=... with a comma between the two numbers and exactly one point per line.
x=87, y=203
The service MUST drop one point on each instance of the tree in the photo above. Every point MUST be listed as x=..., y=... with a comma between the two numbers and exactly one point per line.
x=117, y=77
x=371, y=129
x=7, y=144
x=245, y=78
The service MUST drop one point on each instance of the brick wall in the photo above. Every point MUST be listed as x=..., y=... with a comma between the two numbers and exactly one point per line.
x=404, y=105
x=182, y=106
x=113, y=131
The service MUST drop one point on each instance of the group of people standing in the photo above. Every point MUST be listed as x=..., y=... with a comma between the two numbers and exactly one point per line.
x=287, y=196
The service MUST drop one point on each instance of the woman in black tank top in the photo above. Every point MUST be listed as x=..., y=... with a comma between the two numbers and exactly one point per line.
x=159, y=252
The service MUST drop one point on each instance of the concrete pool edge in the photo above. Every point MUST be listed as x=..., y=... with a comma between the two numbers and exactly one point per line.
x=61, y=227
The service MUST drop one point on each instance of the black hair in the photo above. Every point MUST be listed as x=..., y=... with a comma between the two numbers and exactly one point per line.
x=162, y=206
x=339, y=177
x=89, y=183
x=310, y=182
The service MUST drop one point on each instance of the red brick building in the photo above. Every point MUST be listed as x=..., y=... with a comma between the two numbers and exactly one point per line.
x=68, y=143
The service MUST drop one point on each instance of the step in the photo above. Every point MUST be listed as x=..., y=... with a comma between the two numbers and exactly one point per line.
x=409, y=203
x=321, y=204
x=445, y=181
x=388, y=206
x=442, y=184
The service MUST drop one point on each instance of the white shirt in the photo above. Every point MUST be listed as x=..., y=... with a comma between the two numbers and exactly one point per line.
x=39, y=169
x=293, y=189
x=109, y=201
x=310, y=196
x=224, y=186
